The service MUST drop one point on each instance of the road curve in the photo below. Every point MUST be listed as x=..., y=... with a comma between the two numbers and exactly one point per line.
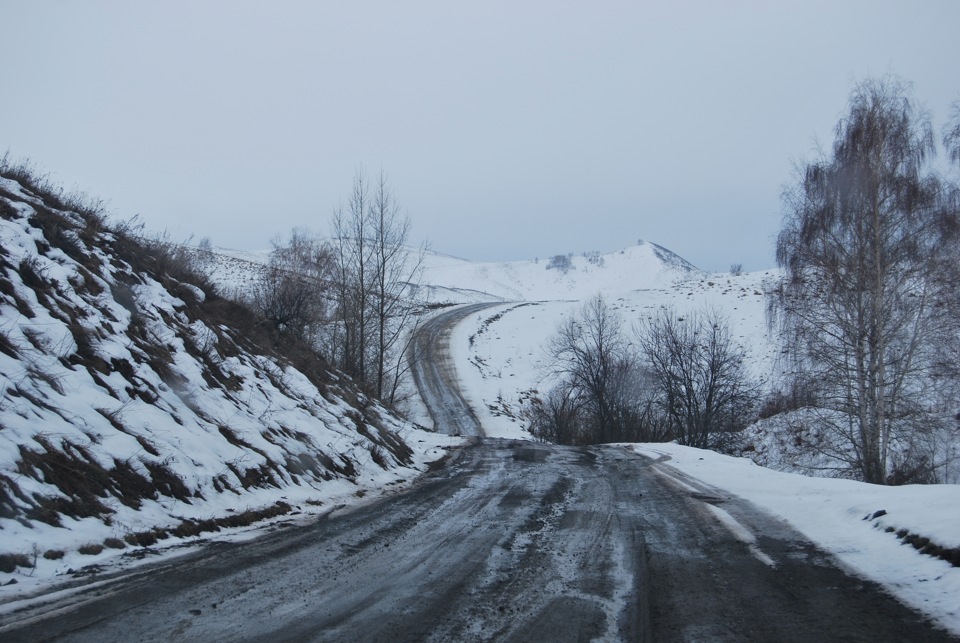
x=436, y=376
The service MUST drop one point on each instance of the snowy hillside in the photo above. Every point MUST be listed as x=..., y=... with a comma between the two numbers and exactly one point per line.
x=231, y=272
x=450, y=280
x=501, y=351
x=637, y=281
x=645, y=265
x=137, y=406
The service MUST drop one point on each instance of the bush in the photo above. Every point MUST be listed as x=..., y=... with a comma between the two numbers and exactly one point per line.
x=90, y=549
x=141, y=538
x=10, y=562
x=560, y=262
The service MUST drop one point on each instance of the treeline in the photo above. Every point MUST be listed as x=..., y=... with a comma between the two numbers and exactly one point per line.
x=669, y=377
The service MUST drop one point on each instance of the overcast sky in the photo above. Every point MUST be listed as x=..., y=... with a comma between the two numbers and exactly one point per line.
x=509, y=130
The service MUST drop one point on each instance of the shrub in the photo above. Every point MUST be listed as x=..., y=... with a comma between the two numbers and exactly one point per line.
x=10, y=562
x=560, y=262
x=141, y=538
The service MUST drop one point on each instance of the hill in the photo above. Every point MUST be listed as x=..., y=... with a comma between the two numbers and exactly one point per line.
x=451, y=280
x=137, y=405
x=645, y=265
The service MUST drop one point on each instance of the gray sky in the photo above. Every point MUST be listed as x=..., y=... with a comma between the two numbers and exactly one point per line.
x=509, y=130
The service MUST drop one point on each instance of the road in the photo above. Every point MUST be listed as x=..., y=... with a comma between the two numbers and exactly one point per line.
x=510, y=541
x=436, y=376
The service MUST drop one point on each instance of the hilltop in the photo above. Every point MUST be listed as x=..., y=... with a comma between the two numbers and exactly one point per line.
x=645, y=265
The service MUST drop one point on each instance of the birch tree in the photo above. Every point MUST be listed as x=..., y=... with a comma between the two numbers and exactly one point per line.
x=861, y=306
x=377, y=275
x=396, y=270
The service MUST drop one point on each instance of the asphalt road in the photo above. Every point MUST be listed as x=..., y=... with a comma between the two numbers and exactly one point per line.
x=509, y=541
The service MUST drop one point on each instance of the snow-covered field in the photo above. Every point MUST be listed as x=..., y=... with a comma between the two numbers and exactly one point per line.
x=500, y=359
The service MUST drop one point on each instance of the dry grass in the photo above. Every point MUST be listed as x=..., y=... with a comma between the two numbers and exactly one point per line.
x=10, y=562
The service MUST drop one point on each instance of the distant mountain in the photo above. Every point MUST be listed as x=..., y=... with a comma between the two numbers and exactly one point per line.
x=645, y=265
x=447, y=279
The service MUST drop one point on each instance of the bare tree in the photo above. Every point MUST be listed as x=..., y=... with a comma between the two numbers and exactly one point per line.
x=353, y=279
x=604, y=393
x=558, y=417
x=396, y=278
x=704, y=389
x=589, y=350
x=377, y=276
x=293, y=293
x=861, y=307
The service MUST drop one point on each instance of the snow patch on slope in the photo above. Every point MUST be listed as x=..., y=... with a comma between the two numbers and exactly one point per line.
x=138, y=411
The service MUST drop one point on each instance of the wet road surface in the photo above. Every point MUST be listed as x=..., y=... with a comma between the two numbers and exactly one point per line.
x=510, y=541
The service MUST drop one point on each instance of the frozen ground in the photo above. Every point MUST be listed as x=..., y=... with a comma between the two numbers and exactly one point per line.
x=837, y=515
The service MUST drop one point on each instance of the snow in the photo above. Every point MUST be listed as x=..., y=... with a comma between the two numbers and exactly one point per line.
x=835, y=515
x=642, y=266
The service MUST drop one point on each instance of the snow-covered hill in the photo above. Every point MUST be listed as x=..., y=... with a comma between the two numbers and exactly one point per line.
x=138, y=406
x=447, y=279
x=501, y=352
x=645, y=265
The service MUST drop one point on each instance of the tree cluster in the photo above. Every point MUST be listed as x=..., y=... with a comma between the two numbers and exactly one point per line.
x=680, y=378
x=562, y=263
x=867, y=307
x=293, y=293
x=353, y=295
x=376, y=279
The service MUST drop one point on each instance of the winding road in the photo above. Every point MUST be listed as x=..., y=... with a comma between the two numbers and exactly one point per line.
x=509, y=541
x=435, y=374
